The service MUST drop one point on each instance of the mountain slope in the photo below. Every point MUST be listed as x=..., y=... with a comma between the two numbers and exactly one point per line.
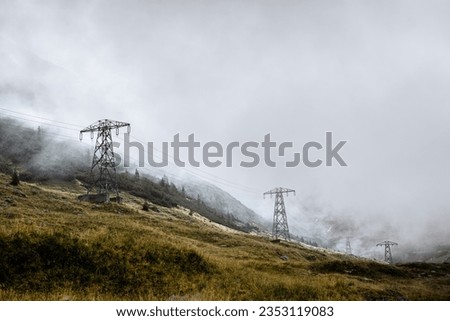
x=54, y=247
x=39, y=157
x=216, y=197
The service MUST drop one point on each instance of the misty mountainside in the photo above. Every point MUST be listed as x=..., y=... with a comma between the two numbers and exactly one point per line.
x=38, y=154
x=54, y=247
x=331, y=231
x=439, y=254
x=215, y=197
x=41, y=154
x=43, y=157
x=40, y=157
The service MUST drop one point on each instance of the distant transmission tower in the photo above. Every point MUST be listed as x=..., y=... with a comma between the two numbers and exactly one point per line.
x=280, y=227
x=103, y=169
x=387, y=250
x=348, y=247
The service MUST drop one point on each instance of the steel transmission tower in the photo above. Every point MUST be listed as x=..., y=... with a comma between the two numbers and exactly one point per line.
x=280, y=227
x=103, y=169
x=387, y=250
x=348, y=247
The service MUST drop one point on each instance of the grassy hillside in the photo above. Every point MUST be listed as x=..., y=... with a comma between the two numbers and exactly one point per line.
x=40, y=158
x=53, y=247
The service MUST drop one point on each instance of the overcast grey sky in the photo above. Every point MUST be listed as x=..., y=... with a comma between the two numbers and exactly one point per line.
x=375, y=73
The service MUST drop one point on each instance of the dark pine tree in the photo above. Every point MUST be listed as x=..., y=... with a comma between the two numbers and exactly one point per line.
x=15, y=180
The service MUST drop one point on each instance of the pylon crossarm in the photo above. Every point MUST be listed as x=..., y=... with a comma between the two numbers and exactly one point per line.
x=386, y=243
x=279, y=190
x=106, y=124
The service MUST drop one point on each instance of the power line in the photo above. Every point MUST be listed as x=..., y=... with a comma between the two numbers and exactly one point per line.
x=387, y=250
x=280, y=227
x=37, y=121
x=348, y=247
x=212, y=178
x=47, y=119
x=216, y=178
x=103, y=169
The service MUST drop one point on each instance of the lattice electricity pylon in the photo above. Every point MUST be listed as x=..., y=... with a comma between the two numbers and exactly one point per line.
x=387, y=250
x=280, y=227
x=103, y=169
x=348, y=247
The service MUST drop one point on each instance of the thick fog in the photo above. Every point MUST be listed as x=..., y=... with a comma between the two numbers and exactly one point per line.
x=375, y=73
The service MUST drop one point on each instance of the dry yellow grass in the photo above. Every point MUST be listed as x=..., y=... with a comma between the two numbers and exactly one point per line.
x=54, y=247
